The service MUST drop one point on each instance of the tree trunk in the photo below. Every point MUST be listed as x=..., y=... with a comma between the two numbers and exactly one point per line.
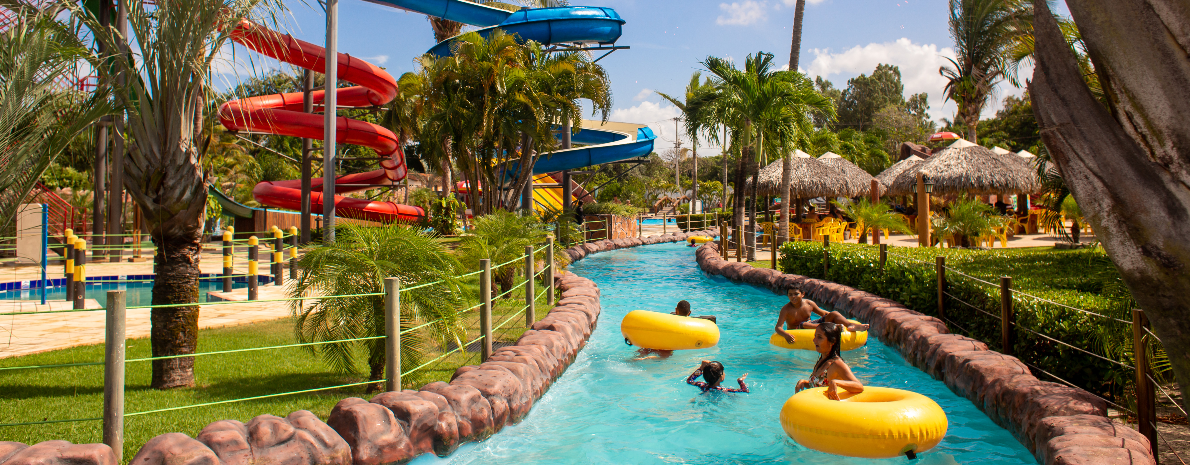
x=741, y=190
x=1129, y=167
x=175, y=329
x=1075, y=231
x=724, y=153
x=751, y=237
x=795, y=48
x=694, y=184
x=786, y=178
x=972, y=132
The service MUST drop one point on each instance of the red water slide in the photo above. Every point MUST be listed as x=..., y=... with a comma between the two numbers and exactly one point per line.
x=282, y=114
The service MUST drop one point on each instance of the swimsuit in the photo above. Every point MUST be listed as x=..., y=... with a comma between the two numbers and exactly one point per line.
x=802, y=325
x=819, y=380
x=692, y=380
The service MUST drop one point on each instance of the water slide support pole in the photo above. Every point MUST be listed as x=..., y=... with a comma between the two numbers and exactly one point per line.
x=331, y=104
x=307, y=147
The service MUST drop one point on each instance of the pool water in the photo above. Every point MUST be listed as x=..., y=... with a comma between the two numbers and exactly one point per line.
x=607, y=408
x=137, y=293
x=657, y=221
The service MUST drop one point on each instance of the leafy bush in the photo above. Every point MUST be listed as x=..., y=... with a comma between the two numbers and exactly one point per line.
x=444, y=215
x=611, y=208
x=1084, y=279
x=57, y=177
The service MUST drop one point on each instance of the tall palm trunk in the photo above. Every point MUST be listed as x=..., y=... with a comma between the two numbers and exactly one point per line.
x=724, y=153
x=694, y=183
x=786, y=175
x=796, y=46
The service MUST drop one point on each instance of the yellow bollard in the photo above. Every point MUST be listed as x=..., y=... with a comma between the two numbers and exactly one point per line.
x=253, y=242
x=80, y=274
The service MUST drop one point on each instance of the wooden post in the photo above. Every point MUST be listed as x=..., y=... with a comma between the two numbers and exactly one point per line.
x=392, y=334
x=739, y=242
x=923, y=213
x=883, y=256
x=530, y=288
x=549, y=273
x=1146, y=396
x=775, y=247
x=80, y=274
x=228, y=249
x=722, y=240
x=826, y=255
x=253, y=267
x=113, y=373
x=293, y=251
x=875, y=199
x=940, y=270
x=664, y=225
x=1006, y=320
x=485, y=312
x=278, y=257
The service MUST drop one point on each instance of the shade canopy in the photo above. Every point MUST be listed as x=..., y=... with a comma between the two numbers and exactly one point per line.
x=887, y=177
x=809, y=178
x=940, y=136
x=965, y=167
x=856, y=178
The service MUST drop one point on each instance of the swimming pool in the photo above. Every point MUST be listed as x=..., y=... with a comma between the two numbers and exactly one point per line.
x=609, y=409
x=138, y=293
x=657, y=221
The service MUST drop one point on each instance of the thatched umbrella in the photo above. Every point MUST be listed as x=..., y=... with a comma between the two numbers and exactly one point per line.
x=857, y=180
x=965, y=167
x=810, y=178
x=887, y=176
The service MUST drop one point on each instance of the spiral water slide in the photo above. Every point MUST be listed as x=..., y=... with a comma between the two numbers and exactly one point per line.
x=282, y=114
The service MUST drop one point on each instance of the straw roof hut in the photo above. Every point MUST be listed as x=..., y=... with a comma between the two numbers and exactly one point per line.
x=965, y=167
x=856, y=178
x=1025, y=154
x=810, y=178
x=887, y=176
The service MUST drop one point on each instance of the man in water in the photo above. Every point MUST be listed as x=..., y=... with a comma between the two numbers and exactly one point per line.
x=797, y=313
x=683, y=309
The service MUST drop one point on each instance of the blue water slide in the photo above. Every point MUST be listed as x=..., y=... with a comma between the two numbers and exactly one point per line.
x=579, y=25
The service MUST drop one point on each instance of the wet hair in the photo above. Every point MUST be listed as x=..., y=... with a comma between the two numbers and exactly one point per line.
x=795, y=288
x=834, y=335
x=684, y=308
x=713, y=373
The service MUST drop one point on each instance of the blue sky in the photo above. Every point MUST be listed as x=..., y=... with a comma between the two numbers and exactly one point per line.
x=668, y=38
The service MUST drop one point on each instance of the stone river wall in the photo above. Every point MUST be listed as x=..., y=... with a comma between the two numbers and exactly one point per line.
x=1059, y=424
x=392, y=427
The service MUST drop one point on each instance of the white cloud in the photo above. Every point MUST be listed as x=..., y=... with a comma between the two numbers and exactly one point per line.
x=660, y=118
x=376, y=60
x=741, y=13
x=919, y=64
x=644, y=94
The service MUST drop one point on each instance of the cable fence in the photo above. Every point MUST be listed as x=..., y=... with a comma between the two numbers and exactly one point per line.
x=473, y=324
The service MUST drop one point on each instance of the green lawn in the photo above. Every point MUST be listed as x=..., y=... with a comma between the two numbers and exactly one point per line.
x=77, y=392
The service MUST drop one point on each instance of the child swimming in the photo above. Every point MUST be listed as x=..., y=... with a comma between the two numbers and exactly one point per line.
x=712, y=372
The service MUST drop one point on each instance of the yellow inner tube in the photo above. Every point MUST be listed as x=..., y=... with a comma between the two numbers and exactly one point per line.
x=699, y=239
x=877, y=423
x=663, y=331
x=803, y=339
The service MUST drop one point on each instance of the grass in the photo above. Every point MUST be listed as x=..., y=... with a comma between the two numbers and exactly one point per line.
x=77, y=392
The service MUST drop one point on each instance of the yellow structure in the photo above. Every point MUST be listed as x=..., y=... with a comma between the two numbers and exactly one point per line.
x=877, y=423
x=663, y=331
x=803, y=339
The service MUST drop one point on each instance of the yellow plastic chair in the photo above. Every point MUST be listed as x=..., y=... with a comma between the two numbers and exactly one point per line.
x=820, y=230
x=769, y=233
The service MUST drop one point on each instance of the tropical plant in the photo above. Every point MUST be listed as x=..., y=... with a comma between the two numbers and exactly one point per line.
x=612, y=208
x=444, y=215
x=502, y=237
x=984, y=31
x=356, y=265
x=967, y=219
x=38, y=118
x=1074, y=214
x=877, y=215
x=694, y=126
x=165, y=93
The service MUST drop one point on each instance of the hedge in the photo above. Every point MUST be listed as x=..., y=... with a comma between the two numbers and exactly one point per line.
x=1081, y=279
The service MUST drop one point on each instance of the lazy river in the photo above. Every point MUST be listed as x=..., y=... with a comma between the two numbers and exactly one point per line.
x=608, y=408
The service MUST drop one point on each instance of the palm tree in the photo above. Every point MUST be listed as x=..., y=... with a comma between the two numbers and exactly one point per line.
x=177, y=40
x=693, y=124
x=873, y=216
x=984, y=32
x=38, y=118
x=795, y=48
x=501, y=237
x=357, y=263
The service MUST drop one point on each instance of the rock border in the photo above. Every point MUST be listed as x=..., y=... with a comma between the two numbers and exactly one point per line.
x=392, y=427
x=1059, y=424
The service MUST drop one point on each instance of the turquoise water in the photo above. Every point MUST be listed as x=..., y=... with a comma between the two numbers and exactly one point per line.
x=657, y=221
x=609, y=409
x=137, y=293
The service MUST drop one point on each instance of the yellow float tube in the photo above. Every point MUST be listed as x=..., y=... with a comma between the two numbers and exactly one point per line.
x=877, y=423
x=803, y=339
x=699, y=239
x=663, y=331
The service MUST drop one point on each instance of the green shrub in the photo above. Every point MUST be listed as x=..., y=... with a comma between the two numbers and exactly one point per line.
x=611, y=208
x=1083, y=279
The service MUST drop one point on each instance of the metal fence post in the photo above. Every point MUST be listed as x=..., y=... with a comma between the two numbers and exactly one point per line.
x=80, y=274
x=883, y=256
x=293, y=251
x=113, y=374
x=392, y=332
x=549, y=273
x=253, y=267
x=1006, y=320
x=940, y=271
x=1146, y=397
x=485, y=312
x=278, y=257
x=530, y=289
x=228, y=249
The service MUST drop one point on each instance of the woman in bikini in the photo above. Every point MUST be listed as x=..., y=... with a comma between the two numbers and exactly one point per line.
x=712, y=372
x=830, y=371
